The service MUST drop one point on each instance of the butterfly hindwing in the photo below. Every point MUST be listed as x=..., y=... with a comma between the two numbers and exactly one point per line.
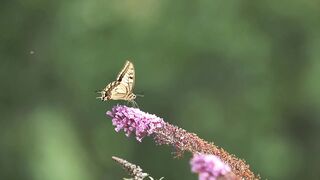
x=119, y=92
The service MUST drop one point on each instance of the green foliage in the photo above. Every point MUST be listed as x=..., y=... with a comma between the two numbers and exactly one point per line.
x=243, y=74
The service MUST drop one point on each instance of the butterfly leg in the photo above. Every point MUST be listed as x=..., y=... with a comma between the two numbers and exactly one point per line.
x=134, y=104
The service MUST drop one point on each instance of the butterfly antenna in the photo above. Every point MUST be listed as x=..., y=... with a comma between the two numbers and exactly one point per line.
x=97, y=91
x=140, y=95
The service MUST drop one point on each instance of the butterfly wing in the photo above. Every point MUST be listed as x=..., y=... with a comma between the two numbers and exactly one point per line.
x=121, y=89
x=127, y=76
x=118, y=91
x=115, y=91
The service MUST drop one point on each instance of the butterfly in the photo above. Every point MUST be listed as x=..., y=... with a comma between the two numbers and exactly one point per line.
x=122, y=88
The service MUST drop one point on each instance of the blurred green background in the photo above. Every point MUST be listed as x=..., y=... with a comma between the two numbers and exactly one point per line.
x=243, y=74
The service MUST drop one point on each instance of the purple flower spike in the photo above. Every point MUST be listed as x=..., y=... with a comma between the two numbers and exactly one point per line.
x=133, y=120
x=209, y=167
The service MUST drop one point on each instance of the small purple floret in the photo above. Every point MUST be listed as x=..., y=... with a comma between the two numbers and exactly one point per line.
x=209, y=167
x=133, y=120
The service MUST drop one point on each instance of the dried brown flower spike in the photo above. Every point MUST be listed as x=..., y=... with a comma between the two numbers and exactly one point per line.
x=134, y=170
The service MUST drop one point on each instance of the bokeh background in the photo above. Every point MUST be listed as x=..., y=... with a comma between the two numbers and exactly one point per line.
x=242, y=74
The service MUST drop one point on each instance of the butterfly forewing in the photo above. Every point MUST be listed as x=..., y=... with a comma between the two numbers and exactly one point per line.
x=127, y=75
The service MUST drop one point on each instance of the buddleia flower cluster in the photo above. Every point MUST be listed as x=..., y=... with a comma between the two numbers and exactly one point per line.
x=135, y=122
x=210, y=167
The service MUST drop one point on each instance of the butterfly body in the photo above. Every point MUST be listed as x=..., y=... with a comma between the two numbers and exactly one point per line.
x=122, y=88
